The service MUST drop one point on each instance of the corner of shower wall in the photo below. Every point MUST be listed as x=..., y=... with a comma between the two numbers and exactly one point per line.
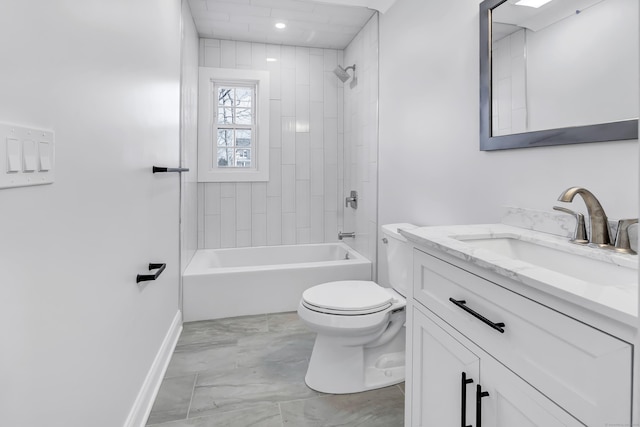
x=188, y=138
x=361, y=142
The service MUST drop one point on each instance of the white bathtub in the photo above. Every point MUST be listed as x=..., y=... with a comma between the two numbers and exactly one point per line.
x=269, y=279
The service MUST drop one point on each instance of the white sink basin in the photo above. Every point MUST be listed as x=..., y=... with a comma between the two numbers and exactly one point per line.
x=581, y=267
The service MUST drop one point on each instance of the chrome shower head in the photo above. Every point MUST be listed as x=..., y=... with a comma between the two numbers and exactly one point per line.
x=342, y=74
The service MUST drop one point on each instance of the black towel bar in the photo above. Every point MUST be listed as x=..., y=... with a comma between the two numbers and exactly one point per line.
x=163, y=169
x=147, y=277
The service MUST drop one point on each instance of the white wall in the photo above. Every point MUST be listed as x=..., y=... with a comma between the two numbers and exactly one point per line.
x=431, y=170
x=360, y=166
x=79, y=335
x=300, y=203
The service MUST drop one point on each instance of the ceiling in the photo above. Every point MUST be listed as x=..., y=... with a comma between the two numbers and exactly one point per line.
x=535, y=19
x=309, y=23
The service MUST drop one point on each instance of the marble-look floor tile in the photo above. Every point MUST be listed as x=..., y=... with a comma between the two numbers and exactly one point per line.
x=244, y=388
x=194, y=358
x=286, y=322
x=223, y=331
x=249, y=371
x=290, y=346
x=375, y=408
x=267, y=416
x=172, y=402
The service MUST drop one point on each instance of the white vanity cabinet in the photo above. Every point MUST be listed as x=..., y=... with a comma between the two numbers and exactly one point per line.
x=539, y=366
x=444, y=368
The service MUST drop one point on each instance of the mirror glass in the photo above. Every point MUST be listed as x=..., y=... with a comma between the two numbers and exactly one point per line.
x=558, y=65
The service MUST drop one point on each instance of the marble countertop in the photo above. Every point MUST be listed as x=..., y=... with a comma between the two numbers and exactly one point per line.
x=616, y=300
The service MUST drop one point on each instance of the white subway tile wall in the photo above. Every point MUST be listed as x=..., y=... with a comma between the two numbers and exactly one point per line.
x=509, y=103
x=300, y=202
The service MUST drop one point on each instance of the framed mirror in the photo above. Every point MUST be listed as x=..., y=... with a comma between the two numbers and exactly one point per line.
x=556, y=72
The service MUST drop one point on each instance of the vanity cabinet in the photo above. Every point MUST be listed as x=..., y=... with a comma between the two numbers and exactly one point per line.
x=538, y=366
x=458, y=385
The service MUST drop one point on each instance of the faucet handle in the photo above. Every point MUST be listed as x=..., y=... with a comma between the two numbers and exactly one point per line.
x=580, y=235
x=622, y=236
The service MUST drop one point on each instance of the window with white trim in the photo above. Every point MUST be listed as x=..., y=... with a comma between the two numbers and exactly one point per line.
x=233, y=125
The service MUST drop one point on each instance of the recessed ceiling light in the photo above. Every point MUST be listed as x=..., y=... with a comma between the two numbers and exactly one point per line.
x=272, y=59
x=532, y=3
x=281, y=25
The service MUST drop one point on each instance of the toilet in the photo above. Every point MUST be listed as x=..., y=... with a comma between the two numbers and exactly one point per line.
x=360, y=342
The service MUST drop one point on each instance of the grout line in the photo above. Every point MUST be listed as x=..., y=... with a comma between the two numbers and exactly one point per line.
x=319, y=396
x=193, y=391
x=281, y=417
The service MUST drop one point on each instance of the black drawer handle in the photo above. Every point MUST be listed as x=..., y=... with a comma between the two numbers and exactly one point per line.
x=147, y=277
x=479, y=395
x=162, y=169
x=461, y=303
x=463, y=413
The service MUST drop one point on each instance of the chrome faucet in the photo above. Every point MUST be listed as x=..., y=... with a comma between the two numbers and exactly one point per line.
x=598, y=219
x=342, y=235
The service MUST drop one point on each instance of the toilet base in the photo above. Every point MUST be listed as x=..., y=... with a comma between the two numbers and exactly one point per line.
x=339, y=368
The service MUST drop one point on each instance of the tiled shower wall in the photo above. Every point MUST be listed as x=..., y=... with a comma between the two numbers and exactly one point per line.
x=361, y=141
x=301, y=203
x=509, y=104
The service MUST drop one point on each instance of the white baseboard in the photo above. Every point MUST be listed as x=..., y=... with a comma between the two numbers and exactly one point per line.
x=147, y=395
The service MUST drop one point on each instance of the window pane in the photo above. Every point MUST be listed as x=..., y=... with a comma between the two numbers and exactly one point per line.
x=225, y=96
x=243, y=138
x=225, y=138
x=225, y=157
x=243, y=116
x=243, y=157
x=225, y=115
x=244, y=97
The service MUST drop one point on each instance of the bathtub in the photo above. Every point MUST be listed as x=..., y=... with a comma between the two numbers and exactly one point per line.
x=221, y=283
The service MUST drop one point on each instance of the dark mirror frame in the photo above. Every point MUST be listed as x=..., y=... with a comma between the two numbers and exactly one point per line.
x=613, y=131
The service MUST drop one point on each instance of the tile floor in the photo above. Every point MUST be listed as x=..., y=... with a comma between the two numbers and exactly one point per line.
x=249, y=371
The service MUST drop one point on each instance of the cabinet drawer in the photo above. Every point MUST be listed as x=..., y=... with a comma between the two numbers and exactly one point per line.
x=582, y=369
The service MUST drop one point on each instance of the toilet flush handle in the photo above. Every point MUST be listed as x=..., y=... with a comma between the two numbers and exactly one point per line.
x=385, y=240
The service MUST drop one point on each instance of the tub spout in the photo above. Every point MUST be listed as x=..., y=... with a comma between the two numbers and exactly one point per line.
x=342, y=235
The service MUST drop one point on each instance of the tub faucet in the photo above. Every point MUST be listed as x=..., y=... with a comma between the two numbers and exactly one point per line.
x=342, y=235
x=598, y=219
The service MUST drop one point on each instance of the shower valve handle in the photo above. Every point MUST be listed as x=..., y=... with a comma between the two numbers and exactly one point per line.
x=352, y=200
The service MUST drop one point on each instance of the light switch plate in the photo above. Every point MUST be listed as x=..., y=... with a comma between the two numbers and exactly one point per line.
x=27, y=156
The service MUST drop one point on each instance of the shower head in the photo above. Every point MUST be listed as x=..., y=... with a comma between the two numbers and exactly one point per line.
x=342, y=72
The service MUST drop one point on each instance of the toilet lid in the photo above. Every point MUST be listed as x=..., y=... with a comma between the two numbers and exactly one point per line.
x=353, y=296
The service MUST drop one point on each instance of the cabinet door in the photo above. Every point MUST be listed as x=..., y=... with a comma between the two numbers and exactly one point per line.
x=438, y=364
x=513, y=402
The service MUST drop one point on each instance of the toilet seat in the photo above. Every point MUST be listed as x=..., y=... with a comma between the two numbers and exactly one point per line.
x=348, y=298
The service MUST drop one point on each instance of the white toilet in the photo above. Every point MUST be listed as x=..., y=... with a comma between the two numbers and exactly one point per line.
x=360, y=325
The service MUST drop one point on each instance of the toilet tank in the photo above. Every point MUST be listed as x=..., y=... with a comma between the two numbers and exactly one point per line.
x=399, y=257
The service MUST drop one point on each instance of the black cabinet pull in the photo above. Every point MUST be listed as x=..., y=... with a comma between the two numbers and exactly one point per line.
x=461, y=303
x=479, y=395
x=162, y=169
x=463, y=412
x=147, y=277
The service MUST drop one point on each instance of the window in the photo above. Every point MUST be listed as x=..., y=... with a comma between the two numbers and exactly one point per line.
x=233, y=125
